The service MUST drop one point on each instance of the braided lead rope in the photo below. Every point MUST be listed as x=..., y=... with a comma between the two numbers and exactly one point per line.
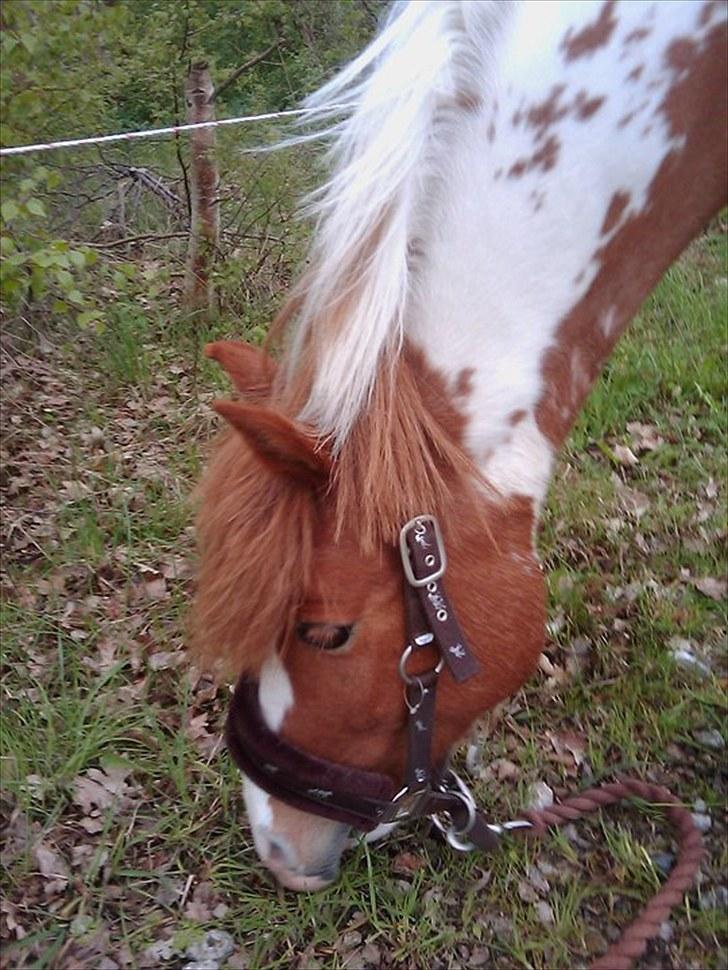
x=633, y=942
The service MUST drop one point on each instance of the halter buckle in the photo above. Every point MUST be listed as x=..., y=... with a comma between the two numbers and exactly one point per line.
x=417, y=525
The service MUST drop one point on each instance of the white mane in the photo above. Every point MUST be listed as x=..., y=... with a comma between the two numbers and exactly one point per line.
x=386, y=155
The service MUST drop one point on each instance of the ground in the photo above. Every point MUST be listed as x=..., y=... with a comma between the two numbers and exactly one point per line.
x=125, y=839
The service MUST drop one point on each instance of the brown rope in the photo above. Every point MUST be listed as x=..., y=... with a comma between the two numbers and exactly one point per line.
x=633, y=942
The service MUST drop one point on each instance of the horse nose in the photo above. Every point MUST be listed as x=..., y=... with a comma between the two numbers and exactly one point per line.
x=281, y=859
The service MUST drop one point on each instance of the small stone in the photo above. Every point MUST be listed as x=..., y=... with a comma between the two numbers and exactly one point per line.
x=663, y=861
x=81, y=925
x=240, y=960
x=716, y=898
x=537, y=880
x=539, y=796
x=545, y=913
x=527, y=893
x=703, y=823
x=480, y=957
x=160, y=951
x=666, y=931
x=711, y=738
x=349, y=940
x=370, y=954
x=682, y=654
x=213, y=948
x=580, y=646
x=595, y=941
x=473, y=758
x=700, y=806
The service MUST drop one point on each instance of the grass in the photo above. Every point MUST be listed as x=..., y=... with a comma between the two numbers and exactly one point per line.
x=109, y=439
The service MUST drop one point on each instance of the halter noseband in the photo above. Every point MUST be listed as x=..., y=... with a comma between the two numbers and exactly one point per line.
x=365, y=799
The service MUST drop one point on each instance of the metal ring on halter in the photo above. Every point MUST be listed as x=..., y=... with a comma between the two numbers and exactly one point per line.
x=456, y=836
x=413, y=708
x=408, y=678
x=453, y=783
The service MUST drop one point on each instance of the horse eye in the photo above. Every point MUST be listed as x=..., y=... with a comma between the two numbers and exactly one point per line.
x=324, y=636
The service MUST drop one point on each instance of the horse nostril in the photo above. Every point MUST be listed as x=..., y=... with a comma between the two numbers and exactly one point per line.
x=278, y=852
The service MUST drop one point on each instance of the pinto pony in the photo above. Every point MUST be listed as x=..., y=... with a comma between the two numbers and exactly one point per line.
x=509, y=182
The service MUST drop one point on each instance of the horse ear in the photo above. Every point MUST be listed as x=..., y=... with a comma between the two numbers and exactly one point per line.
x=250, y=369
x=284, y=446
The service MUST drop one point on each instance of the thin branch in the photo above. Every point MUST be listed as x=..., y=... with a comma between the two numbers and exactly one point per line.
x=243, y=68
x=177, y=144
x=148, y=237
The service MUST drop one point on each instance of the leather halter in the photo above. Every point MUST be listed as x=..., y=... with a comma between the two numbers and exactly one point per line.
x=365, y=799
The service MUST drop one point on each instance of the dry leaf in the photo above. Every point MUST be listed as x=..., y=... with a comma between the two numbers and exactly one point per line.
x=633, y=502
x=568, y=748
x=100, y=789
x=526, y=892
x=545, y=913
x=164, y=659
x=204, y=901
x=625, y=456
x=156, y=589
x=201, y=738
x=716, y=589
x=644, y=436
x=405, y=863
x=53, y=867
x=503, y=769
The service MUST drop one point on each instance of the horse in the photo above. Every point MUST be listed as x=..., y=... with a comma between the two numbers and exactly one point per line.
x=508, y=183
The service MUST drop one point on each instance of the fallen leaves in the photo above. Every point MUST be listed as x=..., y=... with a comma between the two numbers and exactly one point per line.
x=710, y=586
x=99, y=791
x=52, y=867
x=625, y=456
x=644, y=437
x=634, y=502
x=569, y=749
x=206, y=904
x=406, y=863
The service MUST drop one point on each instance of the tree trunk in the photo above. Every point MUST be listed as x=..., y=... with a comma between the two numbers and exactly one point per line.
x=204, y=179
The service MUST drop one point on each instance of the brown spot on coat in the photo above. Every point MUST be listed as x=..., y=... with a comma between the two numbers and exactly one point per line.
x=586, y=107
x=619, y=202
x=636, y=35
x=636, y=73
x=464, y=382
x=544, y=159
x=515, y=417
x=542, y=116
x=593, y=36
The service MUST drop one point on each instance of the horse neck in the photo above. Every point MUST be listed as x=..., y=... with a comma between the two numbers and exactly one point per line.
x=574, y=179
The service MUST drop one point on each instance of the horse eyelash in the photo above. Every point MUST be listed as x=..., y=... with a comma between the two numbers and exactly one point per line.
x=324, y=636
